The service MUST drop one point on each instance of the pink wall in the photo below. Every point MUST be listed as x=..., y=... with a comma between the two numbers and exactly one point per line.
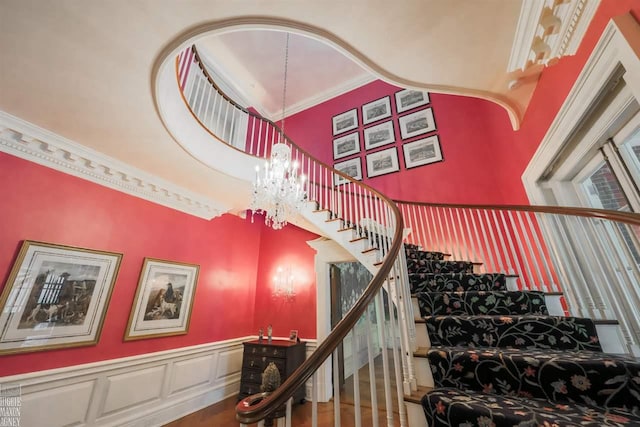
x=42, y=204
x=467, y=127
x=286, y=248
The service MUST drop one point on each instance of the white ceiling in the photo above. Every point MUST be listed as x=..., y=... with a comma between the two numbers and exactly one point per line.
x=253, y=63
x=84, y=69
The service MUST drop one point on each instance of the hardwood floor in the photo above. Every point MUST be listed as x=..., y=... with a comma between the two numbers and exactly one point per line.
x=223, y=413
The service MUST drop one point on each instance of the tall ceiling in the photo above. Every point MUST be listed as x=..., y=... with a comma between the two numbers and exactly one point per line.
x=84, y=69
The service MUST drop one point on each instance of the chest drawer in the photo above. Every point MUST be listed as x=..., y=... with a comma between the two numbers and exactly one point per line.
x=267, y=351
x=259, y=363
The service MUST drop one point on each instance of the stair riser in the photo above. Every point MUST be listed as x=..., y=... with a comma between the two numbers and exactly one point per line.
x=549, y=301
x=513, y=331
x=584, y=378
x=481, y=303
x=456, y=282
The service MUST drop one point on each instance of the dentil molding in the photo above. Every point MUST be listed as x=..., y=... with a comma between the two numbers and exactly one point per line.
x=548, y=30
x=30, y=142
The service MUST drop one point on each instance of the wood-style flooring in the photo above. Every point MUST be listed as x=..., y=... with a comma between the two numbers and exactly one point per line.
x=223, y=413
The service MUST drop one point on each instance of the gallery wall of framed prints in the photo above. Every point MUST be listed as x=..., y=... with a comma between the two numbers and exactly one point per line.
x=376, y=135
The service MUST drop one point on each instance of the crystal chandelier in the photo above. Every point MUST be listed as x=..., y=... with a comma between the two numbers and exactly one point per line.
x=278, y=192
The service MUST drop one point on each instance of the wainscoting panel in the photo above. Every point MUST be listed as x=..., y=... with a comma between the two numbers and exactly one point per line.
x=145, y=390
x=229, y=364
x=119, y=389
x=191, y=373
x=66, y=404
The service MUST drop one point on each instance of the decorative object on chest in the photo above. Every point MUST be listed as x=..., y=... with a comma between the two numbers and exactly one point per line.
x=258, y=355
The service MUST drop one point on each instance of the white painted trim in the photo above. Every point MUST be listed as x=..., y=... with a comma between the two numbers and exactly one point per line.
x=327, y=251
x=578, y=27
x=329, y=94
x=149, y=389
x=525, y=33
x=33, y=143
x=614, y=49
x=573, y=18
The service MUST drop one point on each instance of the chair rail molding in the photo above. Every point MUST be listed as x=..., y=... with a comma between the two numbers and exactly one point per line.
x=30, y=142
x=148, y=389
x=548, y=30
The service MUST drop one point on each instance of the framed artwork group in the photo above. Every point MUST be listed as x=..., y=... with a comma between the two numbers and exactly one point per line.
x=417, y=131
x=57, y=296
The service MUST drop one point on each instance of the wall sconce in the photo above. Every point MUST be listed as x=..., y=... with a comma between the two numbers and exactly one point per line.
x=284, y=284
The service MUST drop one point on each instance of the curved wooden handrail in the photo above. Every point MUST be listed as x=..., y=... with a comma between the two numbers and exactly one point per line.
x=246, y=412
x=626, y=217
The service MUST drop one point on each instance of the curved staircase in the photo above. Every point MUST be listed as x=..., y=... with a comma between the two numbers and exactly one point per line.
x=483, y=342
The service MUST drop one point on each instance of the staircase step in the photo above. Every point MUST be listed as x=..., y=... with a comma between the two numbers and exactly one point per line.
x=596, y=379
x=513, y=331
x=456, y=282
x=481, y=302
x=453, y=407
x=435, y=267
x=417, y=254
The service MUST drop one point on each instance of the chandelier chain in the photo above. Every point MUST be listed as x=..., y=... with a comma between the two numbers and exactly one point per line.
x=284, y=85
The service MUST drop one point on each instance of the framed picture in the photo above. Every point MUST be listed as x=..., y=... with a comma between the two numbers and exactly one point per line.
x=417, y=123
x=409, y=99
x=422, y=152
x=293, y=335
x=346, y=145
x=164, y=299
x=376, y=110
x=352, y=167
x=382, y=162
x=379, y=135
x=345, y=122
x=56, y=297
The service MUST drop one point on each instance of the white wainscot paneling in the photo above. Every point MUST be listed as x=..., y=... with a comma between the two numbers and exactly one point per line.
x=191, y=373
x=59, y=406
x=124, y=390
x=229, y=364
x=146, y=390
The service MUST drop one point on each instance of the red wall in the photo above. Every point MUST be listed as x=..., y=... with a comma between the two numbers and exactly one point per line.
x=286, y=248
x=42, y=204
x=467, y=127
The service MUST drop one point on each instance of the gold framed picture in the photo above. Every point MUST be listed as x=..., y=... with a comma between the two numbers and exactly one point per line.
x=164, y=299
x=56, y=297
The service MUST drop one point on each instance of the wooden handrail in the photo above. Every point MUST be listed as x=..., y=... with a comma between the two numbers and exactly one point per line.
x=626, y=217
x=246, y=412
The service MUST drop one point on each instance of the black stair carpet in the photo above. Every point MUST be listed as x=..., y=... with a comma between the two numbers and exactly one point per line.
x=499, y=360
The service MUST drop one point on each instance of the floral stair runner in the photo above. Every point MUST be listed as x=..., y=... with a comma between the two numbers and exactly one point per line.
x=499, y=360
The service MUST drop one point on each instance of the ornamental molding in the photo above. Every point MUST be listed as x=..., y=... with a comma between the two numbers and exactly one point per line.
x=548, y=30
x=33, y=143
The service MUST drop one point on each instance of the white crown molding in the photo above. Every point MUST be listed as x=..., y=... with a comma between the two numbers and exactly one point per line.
x=330, y=94
x=549, y=29
x=30, y=142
